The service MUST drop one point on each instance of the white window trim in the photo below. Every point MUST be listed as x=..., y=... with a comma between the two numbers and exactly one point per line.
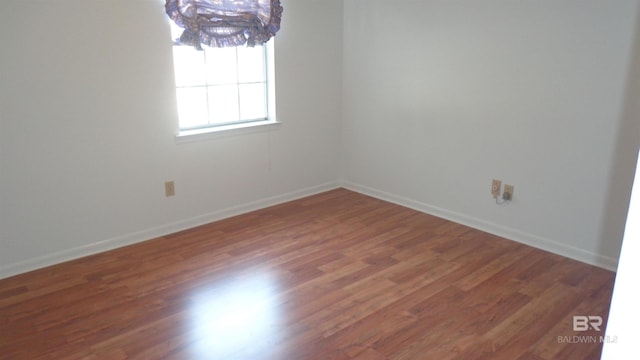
x=207, y=133
x=187, y=136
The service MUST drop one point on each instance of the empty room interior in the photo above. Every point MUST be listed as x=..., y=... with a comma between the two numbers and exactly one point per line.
x=359, y=219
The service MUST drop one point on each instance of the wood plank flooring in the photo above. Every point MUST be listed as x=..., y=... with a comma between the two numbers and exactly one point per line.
x=338, y=275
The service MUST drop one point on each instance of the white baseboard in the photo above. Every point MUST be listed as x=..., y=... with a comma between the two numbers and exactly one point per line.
x=499, y=230
x=148, y=234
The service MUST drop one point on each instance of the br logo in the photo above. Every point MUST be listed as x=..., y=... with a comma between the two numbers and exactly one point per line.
x=584, y=323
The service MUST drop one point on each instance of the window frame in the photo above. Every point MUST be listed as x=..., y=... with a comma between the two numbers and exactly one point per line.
x=241, y=126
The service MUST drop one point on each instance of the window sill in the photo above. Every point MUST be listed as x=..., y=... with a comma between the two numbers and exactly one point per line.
x=187, y=136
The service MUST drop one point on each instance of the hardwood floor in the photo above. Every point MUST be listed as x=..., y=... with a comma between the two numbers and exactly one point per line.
x=334, y=276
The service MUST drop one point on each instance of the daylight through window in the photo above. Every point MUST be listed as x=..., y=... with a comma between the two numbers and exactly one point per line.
x=221, y=86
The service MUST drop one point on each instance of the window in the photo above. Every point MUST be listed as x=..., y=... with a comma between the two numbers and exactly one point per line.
x=223, y=88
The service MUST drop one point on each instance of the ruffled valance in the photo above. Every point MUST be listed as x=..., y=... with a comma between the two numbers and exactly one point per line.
x=225, y=23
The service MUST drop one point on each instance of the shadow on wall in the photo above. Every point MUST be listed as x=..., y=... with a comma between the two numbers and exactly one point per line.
x=625, y=157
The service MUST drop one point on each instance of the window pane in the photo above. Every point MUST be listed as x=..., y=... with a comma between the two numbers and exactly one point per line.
x=221, y=66
x=192, y=106
x=223, y=104
x=219, y=86
x=253, y=102
x=251, y=64
x=189, y=66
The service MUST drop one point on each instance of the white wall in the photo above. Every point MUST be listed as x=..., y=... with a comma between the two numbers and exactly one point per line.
x=441, y=96
x=88, y=117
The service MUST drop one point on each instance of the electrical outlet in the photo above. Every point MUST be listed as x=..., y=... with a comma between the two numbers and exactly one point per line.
x=508, y=192
x=169, y=189
x=495, y=188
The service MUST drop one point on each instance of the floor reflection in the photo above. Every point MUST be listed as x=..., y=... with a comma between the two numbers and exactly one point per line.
x=238, y=318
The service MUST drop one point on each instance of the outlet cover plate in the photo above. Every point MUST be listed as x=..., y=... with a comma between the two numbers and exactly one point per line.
x=169, y=189
x=495, y=188
x=508, y=192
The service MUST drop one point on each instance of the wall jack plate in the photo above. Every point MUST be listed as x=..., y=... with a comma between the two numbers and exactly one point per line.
x=495, y=188
x=169, y=189
x=507, y=195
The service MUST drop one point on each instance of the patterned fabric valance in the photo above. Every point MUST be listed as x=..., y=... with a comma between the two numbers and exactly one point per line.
x=225, y=23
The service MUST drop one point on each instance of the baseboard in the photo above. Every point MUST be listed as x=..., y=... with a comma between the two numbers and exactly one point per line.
x=144, y=235
x=549, y=245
